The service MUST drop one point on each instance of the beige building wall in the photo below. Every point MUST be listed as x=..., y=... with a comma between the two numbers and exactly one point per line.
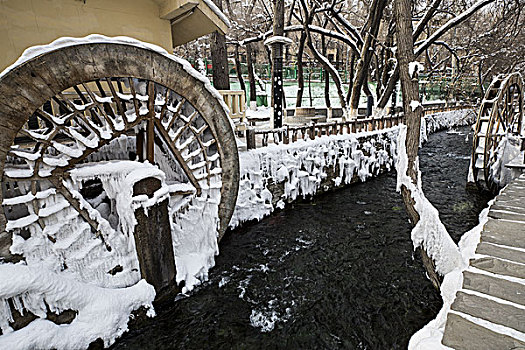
x=25, y=23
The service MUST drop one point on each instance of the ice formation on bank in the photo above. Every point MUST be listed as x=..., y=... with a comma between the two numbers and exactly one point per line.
x=301, y=169
x=101, y=312
x=429, y=233
x=430, y=336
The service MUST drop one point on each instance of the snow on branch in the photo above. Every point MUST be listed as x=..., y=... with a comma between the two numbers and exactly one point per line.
x=451, y=23
x=429, y=233
x=217, y=11
x=349, y=27
x=298, y=28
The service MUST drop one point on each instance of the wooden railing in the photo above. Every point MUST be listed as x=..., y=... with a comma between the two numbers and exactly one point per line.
x=236, y=102
x=439, y=109
x=287, y=134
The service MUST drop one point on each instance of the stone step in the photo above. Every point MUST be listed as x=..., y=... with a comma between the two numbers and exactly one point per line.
x=515, y=186
x=507, y=216
x=499, y=267
x=504, y=233
x=462, y=334
x=508, y=199
x=501, y=252
x=503, y=314
x=496, y=287
x=507, y=207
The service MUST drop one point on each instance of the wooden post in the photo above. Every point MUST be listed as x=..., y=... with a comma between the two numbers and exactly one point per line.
x=150, y=126
x=153, y=241
x=250, y=139
x=139, y=145
x=219, y=57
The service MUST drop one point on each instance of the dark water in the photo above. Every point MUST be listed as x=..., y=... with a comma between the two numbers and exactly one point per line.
x=335, y=273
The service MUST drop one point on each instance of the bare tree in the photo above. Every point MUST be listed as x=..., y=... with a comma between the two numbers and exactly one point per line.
x=219, y=57
x=410, y=90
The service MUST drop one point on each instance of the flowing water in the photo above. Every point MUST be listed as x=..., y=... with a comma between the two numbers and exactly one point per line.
x=337, y=272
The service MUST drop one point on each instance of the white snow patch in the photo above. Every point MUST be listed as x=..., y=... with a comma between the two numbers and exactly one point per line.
x=430, y=336
x=102, y=312
x=278, y=39
x=429, y=233
x=414, y=104
x=415, y=67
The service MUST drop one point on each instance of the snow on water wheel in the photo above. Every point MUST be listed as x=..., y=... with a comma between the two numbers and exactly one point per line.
x=500, y=123
x=80, y=122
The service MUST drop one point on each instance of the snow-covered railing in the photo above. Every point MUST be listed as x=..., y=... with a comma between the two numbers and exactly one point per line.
x=443, y=108
x=291, y=133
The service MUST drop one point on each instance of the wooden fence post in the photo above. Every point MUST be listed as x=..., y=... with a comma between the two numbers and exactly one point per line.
x=250, y=139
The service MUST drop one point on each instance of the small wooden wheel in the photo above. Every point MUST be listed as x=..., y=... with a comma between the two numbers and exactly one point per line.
x=501, y=115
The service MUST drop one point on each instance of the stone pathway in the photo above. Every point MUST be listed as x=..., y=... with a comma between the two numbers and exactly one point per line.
x=489, y=310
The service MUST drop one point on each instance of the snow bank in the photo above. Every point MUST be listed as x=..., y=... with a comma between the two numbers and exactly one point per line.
x=102, y=312
x=429, y=233
x=430, y=336
x=302, y=169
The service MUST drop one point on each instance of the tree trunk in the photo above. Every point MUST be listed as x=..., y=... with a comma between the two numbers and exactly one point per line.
x=219, y=57
x=351, y=76
x=277, y=64
x=300, y=71
x=410, y=90
x=326, y=76
x=251, y=74
x=371, y=29
x=238, y=69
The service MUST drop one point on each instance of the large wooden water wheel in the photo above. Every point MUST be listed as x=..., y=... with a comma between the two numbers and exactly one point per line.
x=500, y=117
x=96, y=103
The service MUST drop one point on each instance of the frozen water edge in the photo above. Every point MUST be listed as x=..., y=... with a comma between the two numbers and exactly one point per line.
x=430, y=336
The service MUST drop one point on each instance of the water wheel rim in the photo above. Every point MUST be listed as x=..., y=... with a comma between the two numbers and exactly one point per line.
x=499, y=123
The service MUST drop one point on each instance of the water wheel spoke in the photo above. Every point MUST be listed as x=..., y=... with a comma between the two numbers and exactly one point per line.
x=175, y=113
x=134, y=98
x=109, y=122
x=176, y=153
x=75, y=203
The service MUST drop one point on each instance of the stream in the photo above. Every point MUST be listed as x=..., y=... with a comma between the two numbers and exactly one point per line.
x=336, y=272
